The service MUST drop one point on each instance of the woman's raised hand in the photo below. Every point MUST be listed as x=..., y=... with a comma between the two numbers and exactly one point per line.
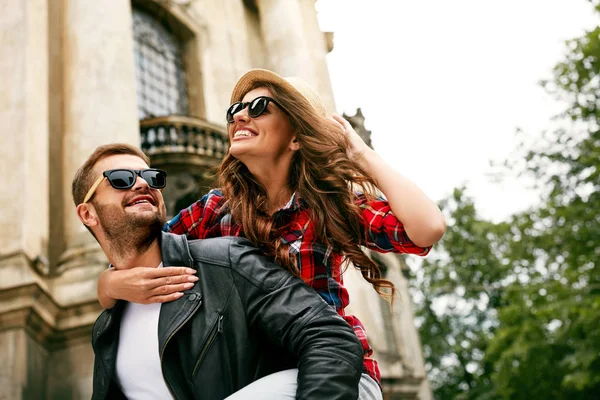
x=358, y=147
x=144, y=285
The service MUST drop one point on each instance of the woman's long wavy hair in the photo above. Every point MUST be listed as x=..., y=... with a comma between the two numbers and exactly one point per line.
x=324, y=177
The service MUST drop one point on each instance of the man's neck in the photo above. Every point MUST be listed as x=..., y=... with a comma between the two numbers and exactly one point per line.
x=147, y=256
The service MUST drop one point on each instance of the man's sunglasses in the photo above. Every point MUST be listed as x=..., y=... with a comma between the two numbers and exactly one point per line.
x=125, y=179
x=255, y=107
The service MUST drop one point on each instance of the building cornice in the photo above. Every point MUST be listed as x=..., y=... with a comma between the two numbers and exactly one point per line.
x=33, y=309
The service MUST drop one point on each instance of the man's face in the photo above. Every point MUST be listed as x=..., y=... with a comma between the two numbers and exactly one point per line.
x=129, y=213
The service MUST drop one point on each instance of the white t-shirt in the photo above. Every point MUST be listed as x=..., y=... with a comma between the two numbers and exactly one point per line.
x=138, y=356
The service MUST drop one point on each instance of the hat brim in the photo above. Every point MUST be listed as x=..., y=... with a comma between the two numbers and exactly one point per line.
x=296, y=86
x=250, y=78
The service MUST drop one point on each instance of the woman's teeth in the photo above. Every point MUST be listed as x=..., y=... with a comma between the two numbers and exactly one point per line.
x=243, y=134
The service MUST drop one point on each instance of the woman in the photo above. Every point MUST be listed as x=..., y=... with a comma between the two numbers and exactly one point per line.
x=288, y=184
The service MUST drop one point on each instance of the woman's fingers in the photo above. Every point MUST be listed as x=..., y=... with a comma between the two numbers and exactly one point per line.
x=164, y=298
x=156, y=285
x=170, y=289
x=337, y=122
x=339, y=119
x=357, y=146
x=173, y=280
x=169, y=271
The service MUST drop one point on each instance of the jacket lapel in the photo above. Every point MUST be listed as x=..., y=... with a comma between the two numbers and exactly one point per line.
x=173, y=314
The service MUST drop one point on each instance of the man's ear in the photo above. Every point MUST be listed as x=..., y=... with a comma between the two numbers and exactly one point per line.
x=87, y=214
x=295, y=144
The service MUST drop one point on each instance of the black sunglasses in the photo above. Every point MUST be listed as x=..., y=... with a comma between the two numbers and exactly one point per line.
x=125, y=179
x=255, y=107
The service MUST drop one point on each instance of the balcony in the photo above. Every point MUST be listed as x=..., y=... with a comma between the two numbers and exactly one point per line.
x=179, y=140
x=189, y=149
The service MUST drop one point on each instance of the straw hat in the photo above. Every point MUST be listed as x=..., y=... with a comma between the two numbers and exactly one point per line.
x=293, y=84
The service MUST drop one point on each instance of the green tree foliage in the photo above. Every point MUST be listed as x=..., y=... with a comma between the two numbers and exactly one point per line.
x=512, y=310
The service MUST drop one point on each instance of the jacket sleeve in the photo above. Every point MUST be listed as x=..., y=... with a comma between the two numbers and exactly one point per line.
x=294, y=316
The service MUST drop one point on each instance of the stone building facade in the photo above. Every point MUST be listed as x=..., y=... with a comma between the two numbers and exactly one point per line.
x=156, y=73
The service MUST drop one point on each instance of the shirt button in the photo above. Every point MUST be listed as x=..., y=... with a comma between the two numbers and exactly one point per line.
x=193, y=297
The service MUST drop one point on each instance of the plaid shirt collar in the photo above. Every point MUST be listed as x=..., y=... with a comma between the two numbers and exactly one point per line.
x=295, y=203
x=295, y=214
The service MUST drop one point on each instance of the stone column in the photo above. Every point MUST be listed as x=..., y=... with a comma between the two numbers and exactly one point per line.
x=24, y=191
x=24, y=133
x=99, y=107
x=22, y=366
x=282, y=29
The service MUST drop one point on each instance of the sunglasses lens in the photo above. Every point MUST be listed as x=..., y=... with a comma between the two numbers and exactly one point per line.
x=234, y=109
x=258, y=106
x=156, y=179
x=121, y=179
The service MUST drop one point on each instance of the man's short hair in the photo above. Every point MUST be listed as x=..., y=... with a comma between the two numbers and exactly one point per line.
x=83, y=179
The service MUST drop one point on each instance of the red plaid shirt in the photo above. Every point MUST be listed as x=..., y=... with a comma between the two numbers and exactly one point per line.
x=318, y=264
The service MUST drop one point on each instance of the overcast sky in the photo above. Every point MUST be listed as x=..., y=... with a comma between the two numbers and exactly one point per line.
x=445, y=83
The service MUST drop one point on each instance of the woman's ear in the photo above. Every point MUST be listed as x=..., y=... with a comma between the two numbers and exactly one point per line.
x=87, y=214
x=295, y=144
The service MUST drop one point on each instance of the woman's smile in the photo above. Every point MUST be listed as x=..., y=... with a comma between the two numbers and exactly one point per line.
x=244, y=134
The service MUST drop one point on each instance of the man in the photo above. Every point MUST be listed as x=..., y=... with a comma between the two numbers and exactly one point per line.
x=245, y=318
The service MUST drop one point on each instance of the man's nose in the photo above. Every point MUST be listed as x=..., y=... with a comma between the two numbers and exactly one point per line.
x=140, y=183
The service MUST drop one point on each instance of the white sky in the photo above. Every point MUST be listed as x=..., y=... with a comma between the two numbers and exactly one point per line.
x=444, y=84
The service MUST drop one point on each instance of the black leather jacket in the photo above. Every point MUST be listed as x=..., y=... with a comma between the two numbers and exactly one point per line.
x=245, y=318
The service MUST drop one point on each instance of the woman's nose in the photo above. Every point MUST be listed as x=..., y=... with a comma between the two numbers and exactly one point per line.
x=241, y=115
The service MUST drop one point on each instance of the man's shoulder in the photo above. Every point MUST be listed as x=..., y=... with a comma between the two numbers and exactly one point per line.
x=216, y=249
x=243, y=258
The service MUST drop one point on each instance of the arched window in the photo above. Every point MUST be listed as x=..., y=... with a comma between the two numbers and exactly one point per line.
x=160, y=74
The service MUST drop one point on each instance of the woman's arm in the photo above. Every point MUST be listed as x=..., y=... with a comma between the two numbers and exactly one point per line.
x=422, y=219
x=144, y=285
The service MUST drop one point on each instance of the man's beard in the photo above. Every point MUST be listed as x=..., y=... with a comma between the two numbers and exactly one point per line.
x=129, y=234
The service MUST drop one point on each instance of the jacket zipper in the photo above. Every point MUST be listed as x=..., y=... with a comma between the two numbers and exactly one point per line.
x=210, y=340
x=162, y=351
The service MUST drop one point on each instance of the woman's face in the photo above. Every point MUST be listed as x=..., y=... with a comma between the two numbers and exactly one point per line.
x=268, y=138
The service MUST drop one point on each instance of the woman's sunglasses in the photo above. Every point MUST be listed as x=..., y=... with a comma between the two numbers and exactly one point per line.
x=125, y=179
x=255, y=107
